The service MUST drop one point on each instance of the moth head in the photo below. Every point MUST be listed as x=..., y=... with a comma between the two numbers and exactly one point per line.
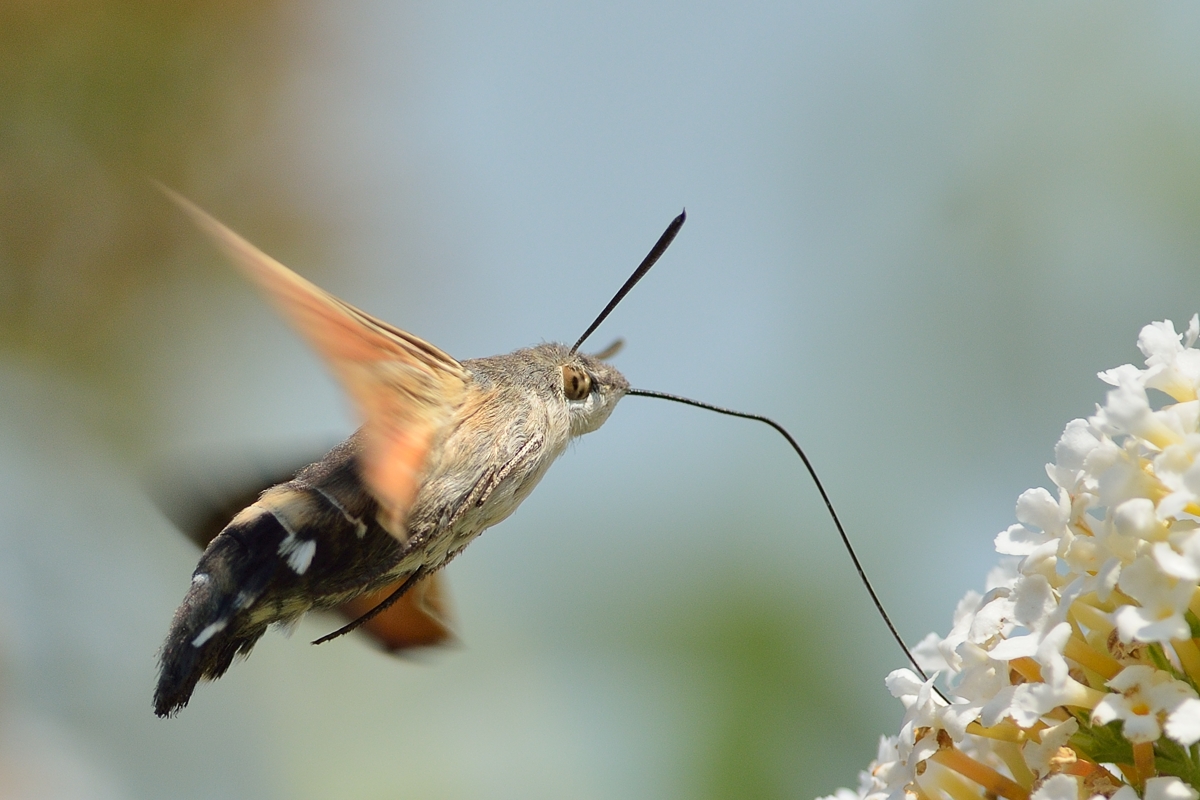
x=591, y=388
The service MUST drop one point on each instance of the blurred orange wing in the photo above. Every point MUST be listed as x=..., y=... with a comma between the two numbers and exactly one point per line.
x=405, y=388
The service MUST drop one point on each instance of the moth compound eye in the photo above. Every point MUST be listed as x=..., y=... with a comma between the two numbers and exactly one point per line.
x=577, y=384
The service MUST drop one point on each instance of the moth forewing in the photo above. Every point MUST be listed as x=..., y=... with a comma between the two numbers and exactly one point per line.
x=404, y=388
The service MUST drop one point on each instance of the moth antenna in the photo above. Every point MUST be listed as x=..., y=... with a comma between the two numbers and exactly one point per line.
x=655, y=253
x=862, y=575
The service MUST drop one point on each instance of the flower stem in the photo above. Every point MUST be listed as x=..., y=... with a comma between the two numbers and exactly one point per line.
x=985, y=776
x=1189, y=657
x=1011, y=754
x=1091, y=617
x=1143, y=760
x=1004, y=731
x=1102, y=664
x=1027, y=668
x=1194, y=604
x=948, y=782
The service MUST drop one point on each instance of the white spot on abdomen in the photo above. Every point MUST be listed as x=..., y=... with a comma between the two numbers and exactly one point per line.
x=360, y=528
x=298, y=552
x=209, y=632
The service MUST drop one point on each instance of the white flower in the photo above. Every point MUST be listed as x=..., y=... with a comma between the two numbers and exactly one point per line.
x=1136, y=519
x=1084, y=622
x=1169, y=789
x=964, y=619
x=1038, y=754
x=981, y=681
x=1058, y=787
x=1179, y=471
x=1029, y=701
x=1174, y=367
x=842, y=794
x=921, y=716
x=1127, y=411
x=1163, y=600
x=882, y=780
x=1077, y=442
x=1180, y=557
x=1147, y=696
x=1003, y=576
x=1118, y=473
x=1042, y=519
x=1183, y=724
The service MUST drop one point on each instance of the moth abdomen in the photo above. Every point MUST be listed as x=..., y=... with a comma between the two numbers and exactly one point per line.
x=210, y=627
x=304, y=544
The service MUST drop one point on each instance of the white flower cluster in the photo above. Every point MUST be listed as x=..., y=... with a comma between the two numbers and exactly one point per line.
x=1075, y=675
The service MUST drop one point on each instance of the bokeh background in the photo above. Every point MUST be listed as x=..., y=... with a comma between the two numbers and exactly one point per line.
x=916, y=231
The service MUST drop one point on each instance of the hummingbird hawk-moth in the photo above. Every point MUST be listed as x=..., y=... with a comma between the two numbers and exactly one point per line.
x=446, y=450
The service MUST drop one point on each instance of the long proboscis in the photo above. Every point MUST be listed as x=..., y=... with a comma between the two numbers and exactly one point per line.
x=837, y=522
x=660, y=247
x=655, y=253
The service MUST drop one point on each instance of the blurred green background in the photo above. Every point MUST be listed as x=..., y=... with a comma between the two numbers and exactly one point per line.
x=915, y=234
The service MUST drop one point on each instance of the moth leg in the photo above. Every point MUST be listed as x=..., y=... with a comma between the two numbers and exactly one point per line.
x=409, y=582
x=490, y=479
x=527, y=449
x=478, y=495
